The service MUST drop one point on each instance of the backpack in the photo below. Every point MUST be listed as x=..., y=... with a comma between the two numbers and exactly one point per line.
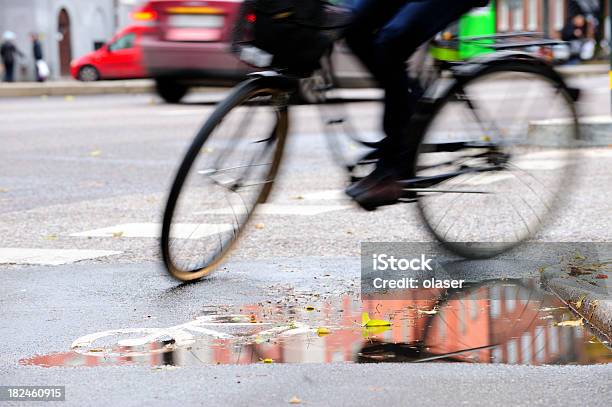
x=289, y=30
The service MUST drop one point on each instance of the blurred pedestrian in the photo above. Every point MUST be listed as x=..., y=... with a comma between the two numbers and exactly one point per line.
x=40, y=66
x=8, y=53
x=576, y=32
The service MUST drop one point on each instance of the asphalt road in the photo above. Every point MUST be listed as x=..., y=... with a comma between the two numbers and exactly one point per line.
x=73, y=165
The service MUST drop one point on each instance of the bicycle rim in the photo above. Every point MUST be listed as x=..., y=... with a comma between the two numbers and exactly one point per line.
x=500, y=118
x=228, y=170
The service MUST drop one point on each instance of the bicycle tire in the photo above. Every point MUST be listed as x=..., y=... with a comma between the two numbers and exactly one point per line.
x=428, y=115
x=240, y=95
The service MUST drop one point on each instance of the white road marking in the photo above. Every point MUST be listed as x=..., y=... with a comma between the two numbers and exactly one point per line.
x=540, y=165
x=50, y=257
x=153, y=230
x=190, y=112
x=183, y=335
x=275, y=209
x=326, y=195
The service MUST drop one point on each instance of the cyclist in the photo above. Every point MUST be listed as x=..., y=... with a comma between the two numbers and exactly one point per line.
x=383, y=35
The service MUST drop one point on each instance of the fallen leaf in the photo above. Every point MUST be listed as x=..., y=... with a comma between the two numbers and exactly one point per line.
x=69, y=98
x=576, y=271
x=371, y=323
x=297, y=197
x=579, y=256
x=267, y=360
x=96, y=350
x=579, y=302
x=117, y=234
x=95, y=153
x=310, y=308
x=51, y=237
x=577, y=322
x=260, y=226
x=322, y=331
x=295, y=400
x=601, y=276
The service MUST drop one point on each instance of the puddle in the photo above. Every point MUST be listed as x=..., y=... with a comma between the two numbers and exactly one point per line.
x=509, y=321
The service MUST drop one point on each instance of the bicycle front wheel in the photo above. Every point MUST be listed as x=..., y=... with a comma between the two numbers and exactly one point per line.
x=496, y=158
x=229, y=169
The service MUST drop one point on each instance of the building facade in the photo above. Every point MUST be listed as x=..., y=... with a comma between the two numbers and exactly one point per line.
x=67, y=29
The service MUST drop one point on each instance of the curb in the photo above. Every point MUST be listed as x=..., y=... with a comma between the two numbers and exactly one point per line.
x=76, y=88
x=353, y=80
x=595, y=131
x=595, y=307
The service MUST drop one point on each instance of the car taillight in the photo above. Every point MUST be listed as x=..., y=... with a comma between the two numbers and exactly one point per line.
x=251, y=18
x=145, y=16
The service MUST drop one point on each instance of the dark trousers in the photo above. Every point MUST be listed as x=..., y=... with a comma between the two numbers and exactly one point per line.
x=9, y=72
x=383, y=35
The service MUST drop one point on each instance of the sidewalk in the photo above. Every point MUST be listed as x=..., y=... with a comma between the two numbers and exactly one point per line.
x=586, y=290
x=73, y=87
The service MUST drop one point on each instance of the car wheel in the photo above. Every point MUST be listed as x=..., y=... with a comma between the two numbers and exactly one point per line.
x=170, y=91
x=89, y=73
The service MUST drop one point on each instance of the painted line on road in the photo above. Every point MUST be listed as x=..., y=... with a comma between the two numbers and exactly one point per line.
x=326, y=195
x=153, y=230
x=50, y=257
x=275, y=209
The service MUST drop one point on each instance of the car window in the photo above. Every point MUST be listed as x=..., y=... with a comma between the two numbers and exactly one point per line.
x=125, y=42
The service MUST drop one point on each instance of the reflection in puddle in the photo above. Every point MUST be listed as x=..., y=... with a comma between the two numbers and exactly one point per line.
x=498, y=322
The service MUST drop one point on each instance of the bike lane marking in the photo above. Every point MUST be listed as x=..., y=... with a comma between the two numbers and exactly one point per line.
x=153, y=230
x=50, y=257
x=276, y=209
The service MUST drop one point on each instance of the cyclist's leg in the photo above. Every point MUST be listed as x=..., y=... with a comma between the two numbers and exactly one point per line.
x=368, y=17
x=413, y=24
x=410, y=27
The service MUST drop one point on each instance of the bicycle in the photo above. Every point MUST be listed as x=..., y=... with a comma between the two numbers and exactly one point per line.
x=485, y=180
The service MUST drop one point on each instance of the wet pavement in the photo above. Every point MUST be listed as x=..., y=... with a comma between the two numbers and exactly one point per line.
x=47, y=309
x=504, y=321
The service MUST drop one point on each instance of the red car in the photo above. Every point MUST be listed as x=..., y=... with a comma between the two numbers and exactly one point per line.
x=188, y=44
x=120, y=58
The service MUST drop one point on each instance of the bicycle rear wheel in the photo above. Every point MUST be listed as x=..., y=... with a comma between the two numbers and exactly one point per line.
x=229, y=169
x=492, y=169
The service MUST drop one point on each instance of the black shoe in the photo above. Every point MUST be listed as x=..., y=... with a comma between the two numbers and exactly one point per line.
x=380, y=188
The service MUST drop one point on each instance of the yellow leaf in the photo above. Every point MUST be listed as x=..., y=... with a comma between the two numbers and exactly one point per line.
x=322, y=331
x=371, y=323
x=375, y=330
x=579, y=302
x=310, y=308
x=267, y=360
x=69, y=98
x=260, y=226
x=117, y=234
x=95, y=153
x=295, y=400
x=577, y=322
x=579, y=256
x=51, y=237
